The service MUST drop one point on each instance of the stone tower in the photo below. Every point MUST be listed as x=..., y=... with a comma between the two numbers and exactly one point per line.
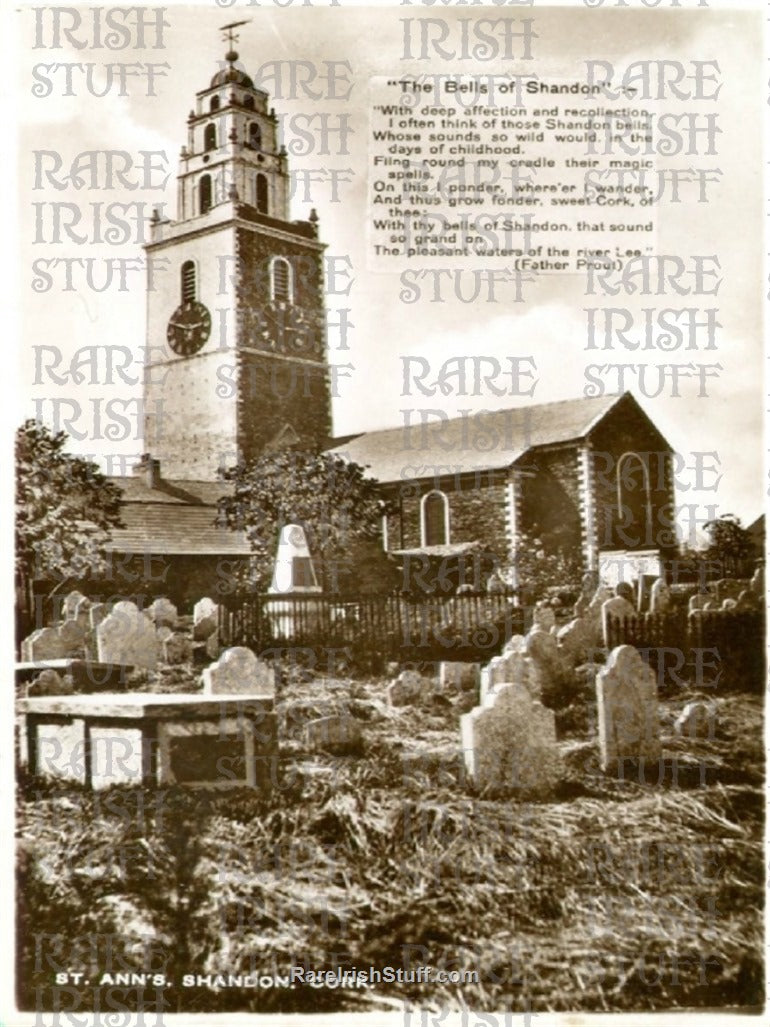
x=235, y=304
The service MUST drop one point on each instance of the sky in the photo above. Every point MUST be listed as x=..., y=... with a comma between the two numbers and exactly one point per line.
x=549, y=328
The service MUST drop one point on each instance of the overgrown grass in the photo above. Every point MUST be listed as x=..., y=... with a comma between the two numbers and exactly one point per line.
x=615, y=894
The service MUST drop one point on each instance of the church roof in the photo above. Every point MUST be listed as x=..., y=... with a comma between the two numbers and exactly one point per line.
x=177, y=518
x=231, y=75
x=487, y=440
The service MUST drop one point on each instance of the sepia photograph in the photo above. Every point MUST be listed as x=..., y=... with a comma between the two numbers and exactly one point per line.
x=389, y=528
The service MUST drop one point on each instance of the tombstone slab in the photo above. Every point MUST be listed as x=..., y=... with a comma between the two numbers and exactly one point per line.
x=406, y=689
x=660, y=596
x=85, y=675
x=239, y=672
x=458, y=677
x=205, y=619
x=70, y=605
x=96, y=614
x=73, y=637
x=333, y=734
x=163, y=613
x=509, y=745
x=697, y=720
x=43, y=644
x=627, y=701
x=509, y=668
x=126, y=635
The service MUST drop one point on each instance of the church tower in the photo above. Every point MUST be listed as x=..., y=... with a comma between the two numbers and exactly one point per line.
x=236, y=357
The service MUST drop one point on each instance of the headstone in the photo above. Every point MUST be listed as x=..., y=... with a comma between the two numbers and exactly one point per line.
x=205, y=618
x=70, y=605
x=660, y=596
x=407, y=688
x=335, y=734
x=212, y=646
x=547, y=664
x=747, y=600
x=727, y=588
x=729, y=604
x=510, y=668
x=458, y=677
x=176, y=647
x=43, y=644
x=239, y=672
x=698, y=602
x=573, y=640
x=126, y=635
x=627, y=701
x=593, y=614
x=697, y=720
x=612, y=610
x=711, y=604
x=543, y=617
x=509, y=744
x=625, y=590
x=97, y=613
x=82, y=613
x=73, y=637
x=163, y=613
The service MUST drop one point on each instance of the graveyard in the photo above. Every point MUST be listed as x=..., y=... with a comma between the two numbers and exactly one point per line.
x=569, y=824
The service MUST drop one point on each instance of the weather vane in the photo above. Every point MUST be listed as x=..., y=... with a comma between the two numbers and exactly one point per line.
x=230, y=35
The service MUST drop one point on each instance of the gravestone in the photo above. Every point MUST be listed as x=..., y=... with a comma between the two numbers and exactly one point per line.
x=627, y=701
x=593, y=614
x=458, y=677
x=73, y=637
x=711, y=604
x=729, y=604
x=335, y=734
x=163, y=613
x=547, y=664
x=747, y=600
x=176, y=647
x=126, y=635
x=43, y=644
x=96, y=614
x=660, y=596
x=727, y=588
x=509, y=744
x=406, y=689
x=573, y=640
x=697, y=720
x=239, y=672
x=509, y=668
x=698, y=602
x=70, y=605
x=205, y=619
x=625, y=590
x=82, y=613
x=617, y=608
x=757, y=584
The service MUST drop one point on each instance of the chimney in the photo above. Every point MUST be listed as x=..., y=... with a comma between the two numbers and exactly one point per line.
x=150, y=468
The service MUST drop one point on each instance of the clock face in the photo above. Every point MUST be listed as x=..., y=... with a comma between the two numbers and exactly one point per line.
x=188, y=328
x=287, y=327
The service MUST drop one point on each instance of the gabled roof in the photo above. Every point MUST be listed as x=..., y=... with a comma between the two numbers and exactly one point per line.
x=178, y=518
x=482, y=441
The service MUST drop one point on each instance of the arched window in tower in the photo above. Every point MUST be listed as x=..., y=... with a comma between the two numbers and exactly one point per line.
x=434, y=516
x=634, y=525
x=260, y=190
x=281, y=283
x=248, y=102
x=255, y=136
x=188, y=282
x=210, y=138
x=204, y=194
x=214, y=104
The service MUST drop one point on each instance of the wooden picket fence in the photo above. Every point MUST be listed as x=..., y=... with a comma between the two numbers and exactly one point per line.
x=729, y=644
x=463, y=627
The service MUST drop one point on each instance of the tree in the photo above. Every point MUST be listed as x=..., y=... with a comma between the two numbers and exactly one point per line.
x=337, y=505
x=731, y=545
x=65, y=510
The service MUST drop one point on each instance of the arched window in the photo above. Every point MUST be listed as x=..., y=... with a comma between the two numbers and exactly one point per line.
x=204, y=194
x=634, y=511
x=281, y=284
x=434, y=512
x=187, y=282
x=214, y=104
x=248, y=102
x=255, y=136
x=210, y=138
x=260, y=190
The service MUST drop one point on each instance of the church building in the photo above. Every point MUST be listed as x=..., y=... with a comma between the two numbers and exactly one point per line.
x=237, y=333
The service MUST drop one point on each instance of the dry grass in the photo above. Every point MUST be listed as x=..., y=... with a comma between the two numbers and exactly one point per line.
x=614, y=895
